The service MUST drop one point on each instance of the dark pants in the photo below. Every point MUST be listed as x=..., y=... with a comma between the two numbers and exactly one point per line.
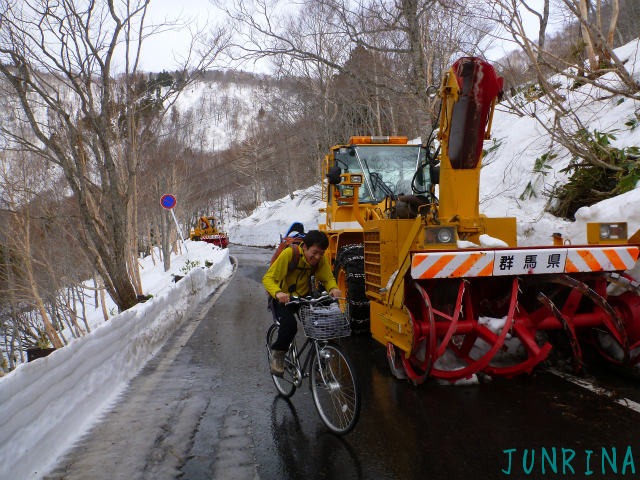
x=288, y=324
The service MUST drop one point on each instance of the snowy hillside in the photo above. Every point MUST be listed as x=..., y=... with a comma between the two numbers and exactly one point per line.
x=217, y=112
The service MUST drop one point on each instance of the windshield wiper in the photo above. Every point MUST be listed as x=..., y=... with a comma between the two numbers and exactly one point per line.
x=378, y=182
x=367, y=173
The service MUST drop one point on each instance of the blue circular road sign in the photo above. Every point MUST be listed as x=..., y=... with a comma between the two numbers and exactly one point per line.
x=168, y=201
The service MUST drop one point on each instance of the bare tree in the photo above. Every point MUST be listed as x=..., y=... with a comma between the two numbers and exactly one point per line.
x=595, y=41
x=599, y=42
x=72, y=67
x=578, y=57
x=256, y=157
x=416, y=37
x=543, y=22
x=23, y=257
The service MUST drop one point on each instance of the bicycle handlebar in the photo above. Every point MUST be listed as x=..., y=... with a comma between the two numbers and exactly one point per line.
x=324, y=298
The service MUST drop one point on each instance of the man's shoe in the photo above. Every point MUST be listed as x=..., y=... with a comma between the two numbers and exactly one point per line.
x=277, y=362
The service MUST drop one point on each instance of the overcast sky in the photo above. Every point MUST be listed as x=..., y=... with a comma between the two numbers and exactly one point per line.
x=166, y=50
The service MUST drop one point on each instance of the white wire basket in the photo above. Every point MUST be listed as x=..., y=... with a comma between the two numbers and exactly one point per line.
x=324, y=322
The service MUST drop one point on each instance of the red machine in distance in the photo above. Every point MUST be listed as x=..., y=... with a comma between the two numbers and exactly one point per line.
x=206, y=230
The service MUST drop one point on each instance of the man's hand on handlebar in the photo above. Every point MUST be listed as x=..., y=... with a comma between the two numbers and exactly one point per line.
x=283, y=297
x=335, y=293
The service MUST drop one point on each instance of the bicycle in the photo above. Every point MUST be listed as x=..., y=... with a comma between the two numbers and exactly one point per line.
x=333, y=382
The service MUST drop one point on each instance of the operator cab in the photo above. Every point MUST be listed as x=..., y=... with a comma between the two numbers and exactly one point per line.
x=389, y=168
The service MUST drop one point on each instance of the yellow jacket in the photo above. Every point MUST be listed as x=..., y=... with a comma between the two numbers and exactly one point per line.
x=279, y=279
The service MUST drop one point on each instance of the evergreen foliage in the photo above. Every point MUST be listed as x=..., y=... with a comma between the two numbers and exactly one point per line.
x=618, y=172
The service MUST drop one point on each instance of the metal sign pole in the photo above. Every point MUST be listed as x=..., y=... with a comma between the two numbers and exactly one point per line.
x=167, y=202
x=179, y=231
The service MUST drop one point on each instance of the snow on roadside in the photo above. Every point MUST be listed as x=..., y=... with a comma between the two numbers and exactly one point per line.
x=50, y=402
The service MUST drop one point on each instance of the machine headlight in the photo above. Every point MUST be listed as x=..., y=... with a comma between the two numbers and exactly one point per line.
x=347, y=192
x=606, y=232
x=439, y=235
x=445, y=235
x=618, y=231
x=356, y=179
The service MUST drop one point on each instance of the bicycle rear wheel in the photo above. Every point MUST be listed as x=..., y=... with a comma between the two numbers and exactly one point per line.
x=285, y=384
x=335, y=389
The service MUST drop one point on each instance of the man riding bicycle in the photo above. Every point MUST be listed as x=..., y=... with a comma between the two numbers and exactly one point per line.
x=281, y=283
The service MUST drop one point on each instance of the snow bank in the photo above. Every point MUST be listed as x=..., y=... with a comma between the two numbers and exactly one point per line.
x=49, y=403
x=272, y=219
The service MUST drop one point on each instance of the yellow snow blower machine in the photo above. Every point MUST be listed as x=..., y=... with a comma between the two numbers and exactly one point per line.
x=206, y=230
x=445, y=288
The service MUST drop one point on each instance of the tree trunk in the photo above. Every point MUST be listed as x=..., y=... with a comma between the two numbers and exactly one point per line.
x=409, y=11
x=11, y=300
x=103, y=302
x=542, y=31
x=615, y=12
x=586, y=36
x=46, y=321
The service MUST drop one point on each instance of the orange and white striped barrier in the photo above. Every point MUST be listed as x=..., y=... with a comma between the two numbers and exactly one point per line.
x=486, y=263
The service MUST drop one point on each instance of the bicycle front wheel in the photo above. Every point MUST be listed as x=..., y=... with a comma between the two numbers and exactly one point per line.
x=335, y=389
x=286, y=384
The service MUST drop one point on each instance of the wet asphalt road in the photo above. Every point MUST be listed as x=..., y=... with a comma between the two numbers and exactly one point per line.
x=205, y=408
